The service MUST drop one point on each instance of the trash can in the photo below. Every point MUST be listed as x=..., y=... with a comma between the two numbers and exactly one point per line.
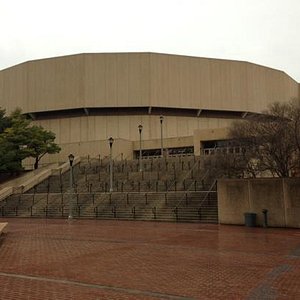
x=250, y=219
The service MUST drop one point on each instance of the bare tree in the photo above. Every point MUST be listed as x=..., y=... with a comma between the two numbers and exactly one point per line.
x=270, y=143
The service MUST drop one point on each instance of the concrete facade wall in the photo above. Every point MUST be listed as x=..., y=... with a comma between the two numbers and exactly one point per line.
x=139, y=81
x=91, y=128
x=84, y=135
x=142, y=79
x=280, y=196
x=208, y=134
x=122, y=149
x=193, y=82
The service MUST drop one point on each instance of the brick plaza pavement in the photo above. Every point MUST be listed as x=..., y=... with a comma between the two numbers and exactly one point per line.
x=93, y=259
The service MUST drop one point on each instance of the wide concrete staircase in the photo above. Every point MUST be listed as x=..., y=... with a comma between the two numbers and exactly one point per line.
x=172, y=189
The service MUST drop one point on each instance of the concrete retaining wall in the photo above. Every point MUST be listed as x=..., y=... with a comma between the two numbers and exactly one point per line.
x=280, y=196
x=28, y=181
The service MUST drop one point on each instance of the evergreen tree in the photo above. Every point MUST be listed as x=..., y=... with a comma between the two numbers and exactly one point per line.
x=19, y=140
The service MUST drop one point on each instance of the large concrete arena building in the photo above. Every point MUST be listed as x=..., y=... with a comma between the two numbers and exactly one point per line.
x=86, y=98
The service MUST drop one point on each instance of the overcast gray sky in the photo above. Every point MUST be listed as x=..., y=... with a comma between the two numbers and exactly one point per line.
x=260, y=31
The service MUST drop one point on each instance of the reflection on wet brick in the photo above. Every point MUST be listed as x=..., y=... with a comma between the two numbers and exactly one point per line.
x=90, y=259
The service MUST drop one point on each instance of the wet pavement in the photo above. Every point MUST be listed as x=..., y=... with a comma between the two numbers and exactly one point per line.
x=97, y=259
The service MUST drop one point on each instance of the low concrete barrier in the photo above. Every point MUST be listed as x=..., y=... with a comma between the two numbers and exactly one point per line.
x=28, y=181
x=36, y=179
x=65, y=166
x=280, y=196
x=5, y=192
x=2, y=227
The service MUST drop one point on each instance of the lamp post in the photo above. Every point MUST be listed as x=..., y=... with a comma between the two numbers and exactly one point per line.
x=140, y=156
x=71, y=160
x=110, y=141
x=161, y=119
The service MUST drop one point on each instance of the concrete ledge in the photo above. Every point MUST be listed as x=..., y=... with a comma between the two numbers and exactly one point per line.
x=2, y=226
x=65, y=166
x=28, y=181
x=5, y=192
x=36, y=179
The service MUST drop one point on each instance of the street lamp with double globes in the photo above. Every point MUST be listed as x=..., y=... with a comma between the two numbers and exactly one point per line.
x=71, y=160
x=140, y=127
x=161, y=119
x=110, y=141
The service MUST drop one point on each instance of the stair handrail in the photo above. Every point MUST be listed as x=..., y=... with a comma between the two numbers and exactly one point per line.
x=183, y=197
x=186, y=175
x=208, y=191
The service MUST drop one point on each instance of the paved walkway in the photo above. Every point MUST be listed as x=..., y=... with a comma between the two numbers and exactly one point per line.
x=90, y=259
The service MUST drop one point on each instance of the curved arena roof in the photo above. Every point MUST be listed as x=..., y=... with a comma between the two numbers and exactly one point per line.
x=142, y=83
